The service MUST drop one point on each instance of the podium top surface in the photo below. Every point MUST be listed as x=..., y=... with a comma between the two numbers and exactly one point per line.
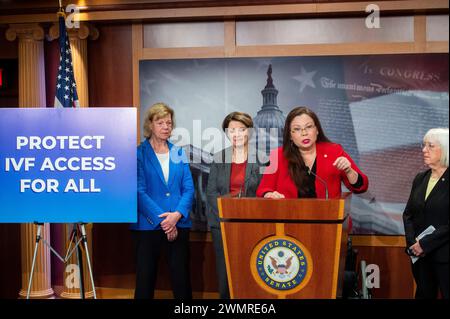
x=295, y=210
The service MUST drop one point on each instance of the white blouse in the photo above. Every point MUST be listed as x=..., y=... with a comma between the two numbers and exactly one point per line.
x=163, y=159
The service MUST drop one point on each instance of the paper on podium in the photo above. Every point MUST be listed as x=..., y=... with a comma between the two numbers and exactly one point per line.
x=429, y=230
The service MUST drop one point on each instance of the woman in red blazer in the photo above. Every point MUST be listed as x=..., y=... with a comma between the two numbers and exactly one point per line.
x=308, y=161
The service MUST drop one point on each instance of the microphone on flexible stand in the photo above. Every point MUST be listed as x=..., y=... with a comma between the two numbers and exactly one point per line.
x=246, y=180
x=320, y=179
x=242, y=185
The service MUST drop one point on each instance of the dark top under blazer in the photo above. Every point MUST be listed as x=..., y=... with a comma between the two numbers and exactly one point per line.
x=219, y=180
x=155, y=196
x=420, y=213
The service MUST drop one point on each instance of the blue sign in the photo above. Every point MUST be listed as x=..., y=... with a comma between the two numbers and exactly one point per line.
x=68, y=165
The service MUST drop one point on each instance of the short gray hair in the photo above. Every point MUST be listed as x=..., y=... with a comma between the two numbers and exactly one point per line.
x=440, y=136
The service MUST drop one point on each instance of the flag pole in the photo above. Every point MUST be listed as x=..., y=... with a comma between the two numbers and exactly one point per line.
x=60, y=12
x=76, y=238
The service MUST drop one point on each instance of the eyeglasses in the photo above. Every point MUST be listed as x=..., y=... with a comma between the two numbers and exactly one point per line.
x=428, y=146
x=307, y=129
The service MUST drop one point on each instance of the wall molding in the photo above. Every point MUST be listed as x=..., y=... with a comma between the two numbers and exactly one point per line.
x=379, y=240
x=398, y=7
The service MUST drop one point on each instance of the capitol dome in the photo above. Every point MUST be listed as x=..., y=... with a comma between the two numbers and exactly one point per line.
x=270, y=119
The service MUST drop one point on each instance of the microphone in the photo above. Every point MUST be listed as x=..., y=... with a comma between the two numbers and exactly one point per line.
x=321, y=180
x=247, y=179
x=242, y=185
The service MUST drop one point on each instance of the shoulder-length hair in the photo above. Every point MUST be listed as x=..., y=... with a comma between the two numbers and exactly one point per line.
x=155, y=112
x=296, y=164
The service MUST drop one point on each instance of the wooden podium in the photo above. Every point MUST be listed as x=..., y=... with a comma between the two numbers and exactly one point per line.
x=284, y=248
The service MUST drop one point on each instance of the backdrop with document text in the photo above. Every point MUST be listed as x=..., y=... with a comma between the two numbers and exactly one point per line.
x=378, y=107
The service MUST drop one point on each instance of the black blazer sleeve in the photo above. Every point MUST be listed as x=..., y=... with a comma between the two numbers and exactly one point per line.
x=212, y=212
x=435, y=240
x=437, y=214
x=253, y=179
x=408, y=215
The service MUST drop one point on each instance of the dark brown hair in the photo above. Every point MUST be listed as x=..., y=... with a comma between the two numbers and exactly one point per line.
x=244, y=118
x=296, y=164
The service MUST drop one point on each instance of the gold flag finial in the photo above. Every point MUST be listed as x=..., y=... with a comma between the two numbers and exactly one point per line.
x=60, y=12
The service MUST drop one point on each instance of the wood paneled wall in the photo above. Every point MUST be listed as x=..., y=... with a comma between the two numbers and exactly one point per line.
x=42, y=6
x=114, y=260
x=396, y=279
x=51, y=52
x=10, y=275
x=9, y=233
x=110, y=67
x=388, y=253
x=9, y=50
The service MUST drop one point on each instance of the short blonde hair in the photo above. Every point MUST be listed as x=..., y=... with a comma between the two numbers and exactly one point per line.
x=439, y=136
x=156, y=112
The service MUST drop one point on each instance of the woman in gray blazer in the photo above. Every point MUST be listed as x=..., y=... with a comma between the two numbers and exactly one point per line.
x=236, y=171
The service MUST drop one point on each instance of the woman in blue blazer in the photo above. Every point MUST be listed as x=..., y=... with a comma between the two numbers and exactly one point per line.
x=165, y=197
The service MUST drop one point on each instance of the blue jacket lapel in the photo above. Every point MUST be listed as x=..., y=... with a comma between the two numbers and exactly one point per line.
x=172, y=165
x=154, y=161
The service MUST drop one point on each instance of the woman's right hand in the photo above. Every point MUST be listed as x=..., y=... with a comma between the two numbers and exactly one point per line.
x=273, y=195
x=417, y=249
x=171, y=236
x=170, y=221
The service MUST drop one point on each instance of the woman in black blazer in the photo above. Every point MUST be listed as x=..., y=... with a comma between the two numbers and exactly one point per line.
x=428, y=205
x=236, y=171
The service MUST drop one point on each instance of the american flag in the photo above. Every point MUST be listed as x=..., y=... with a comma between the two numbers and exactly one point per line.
x=66, y=89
